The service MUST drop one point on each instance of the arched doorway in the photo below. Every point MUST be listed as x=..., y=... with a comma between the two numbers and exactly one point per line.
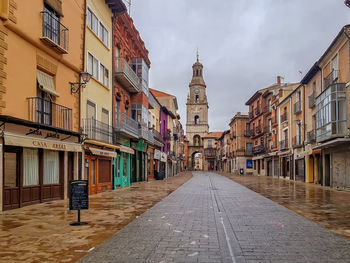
x=197, y=161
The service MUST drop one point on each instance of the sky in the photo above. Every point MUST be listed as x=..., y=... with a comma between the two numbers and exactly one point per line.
x=243, y=44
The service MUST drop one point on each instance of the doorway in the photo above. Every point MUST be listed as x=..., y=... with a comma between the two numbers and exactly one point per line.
x=327, y=178
x=11, y=179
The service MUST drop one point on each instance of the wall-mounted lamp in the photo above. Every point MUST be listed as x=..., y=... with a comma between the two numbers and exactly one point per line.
x=84, y=77
x=347, y=3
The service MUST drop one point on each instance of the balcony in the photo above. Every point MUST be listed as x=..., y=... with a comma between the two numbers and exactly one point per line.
x=49, y=113
x=267, y=129
x=249, y=152
x=331, y=79
x=259, y=149
x=284, y=117
x=167, y=136
x=126, y=75
x=247, y=133
x=284, y=144
x=267, y=109
x=157, y=136
x=98, y=131
x=143, y=131
x=297, y=107
x=209, y=152
x=274, y=120
x=150, y=137
x=258, y=130
x=54, y=34
x=257, y=111
x=297, y=142
x=331, y=113
x=126, y=125
x=311, y=137
x=312, y=100
x=251, y=114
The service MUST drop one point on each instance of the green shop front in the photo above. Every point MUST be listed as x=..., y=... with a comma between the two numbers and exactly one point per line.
x=139, y=161
x=122, y=164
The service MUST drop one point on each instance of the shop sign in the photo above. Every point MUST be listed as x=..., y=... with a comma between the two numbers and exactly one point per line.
x=79, y=195
x=140, y=146
x=100, y=152
x=249, y=164
x=163, y=157
x=157, y=154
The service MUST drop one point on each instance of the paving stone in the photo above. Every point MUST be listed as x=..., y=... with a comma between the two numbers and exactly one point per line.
x=231, y=224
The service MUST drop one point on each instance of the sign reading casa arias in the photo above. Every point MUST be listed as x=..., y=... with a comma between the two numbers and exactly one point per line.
x=50, y=145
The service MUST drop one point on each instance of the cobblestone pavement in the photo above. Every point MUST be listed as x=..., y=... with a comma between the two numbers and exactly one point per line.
x=326, y=206
x=42, y=232
x=213, y=219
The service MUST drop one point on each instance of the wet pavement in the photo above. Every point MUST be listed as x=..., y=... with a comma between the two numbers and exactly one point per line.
x=214, y=219
x=41, y=233
x=328, y=207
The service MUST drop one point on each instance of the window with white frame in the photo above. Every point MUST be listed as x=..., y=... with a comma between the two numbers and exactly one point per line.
x=97, y=70
x=97, y=27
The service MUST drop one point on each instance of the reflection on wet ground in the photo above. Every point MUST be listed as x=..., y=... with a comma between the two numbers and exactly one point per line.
x=325, y=206
x=41, y=233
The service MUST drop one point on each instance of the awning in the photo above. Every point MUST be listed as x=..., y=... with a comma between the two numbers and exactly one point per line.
x=100, y=152
x=32, y=142
x=126, y=149
x=46, y=83
x=112, y=146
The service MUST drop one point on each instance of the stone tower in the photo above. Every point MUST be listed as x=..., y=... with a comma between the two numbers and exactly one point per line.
x=197, y=113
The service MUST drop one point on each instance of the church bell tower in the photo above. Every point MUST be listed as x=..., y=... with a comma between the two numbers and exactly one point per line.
x=197, y=108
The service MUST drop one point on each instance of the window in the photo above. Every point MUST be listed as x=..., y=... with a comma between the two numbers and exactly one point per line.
x=105, y=116
x=51, y=167
x=90, y=110
x=43, y=108
x=104, y=75
x=51, y=24
x=92, y=65
x=97, y=27
x=197, y=98
x=196, y=119
x=210, y=143
x=30, y=167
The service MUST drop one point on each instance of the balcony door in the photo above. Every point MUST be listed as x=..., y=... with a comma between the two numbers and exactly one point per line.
x=44, y=108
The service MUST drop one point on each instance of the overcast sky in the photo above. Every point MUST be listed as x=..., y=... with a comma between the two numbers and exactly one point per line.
x=243, y=45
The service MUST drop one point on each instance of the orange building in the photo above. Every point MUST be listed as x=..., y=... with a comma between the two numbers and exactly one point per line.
x=41, y=51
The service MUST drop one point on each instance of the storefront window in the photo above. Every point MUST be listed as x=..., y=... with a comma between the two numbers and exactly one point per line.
x=51, y=167
x=30, y=167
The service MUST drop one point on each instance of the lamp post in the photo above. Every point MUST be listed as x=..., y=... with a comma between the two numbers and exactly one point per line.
x=84, y=78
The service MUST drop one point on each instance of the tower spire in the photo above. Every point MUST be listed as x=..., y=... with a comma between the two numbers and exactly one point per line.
x=197, y=55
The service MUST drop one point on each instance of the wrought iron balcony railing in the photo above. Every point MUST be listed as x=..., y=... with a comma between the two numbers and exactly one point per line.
x=54, y=33
x=249, y=153
x=259, y=149
x=126, y=75
x=331, y=78
x=49, y=113
x=209, y=152
x=311, y=137
x=297, y=107
x=157, y=136
x=247, y=133
x=257, y=111
x=312, y=100
x=258, y=130
x=284, y=144
x=297, y=142
x=284, y=117
x=97, y=130
x=126, y=125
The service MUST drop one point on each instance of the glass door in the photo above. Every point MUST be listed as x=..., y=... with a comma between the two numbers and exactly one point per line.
x=11, y=180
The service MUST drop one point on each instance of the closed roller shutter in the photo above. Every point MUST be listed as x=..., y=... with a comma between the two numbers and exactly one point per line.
x=104, y=171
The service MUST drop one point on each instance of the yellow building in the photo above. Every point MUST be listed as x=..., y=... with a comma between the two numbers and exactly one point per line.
x=96, y=97
x=41, y=51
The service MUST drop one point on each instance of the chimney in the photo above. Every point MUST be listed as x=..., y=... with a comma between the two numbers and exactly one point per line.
x=278, y=80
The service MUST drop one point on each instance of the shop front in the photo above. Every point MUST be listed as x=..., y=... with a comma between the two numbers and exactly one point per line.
x=123, y=167
x=139, y=161
x=98, y=167
x=38, y=162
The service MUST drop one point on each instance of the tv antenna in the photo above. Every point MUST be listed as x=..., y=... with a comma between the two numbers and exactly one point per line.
x=129, y=4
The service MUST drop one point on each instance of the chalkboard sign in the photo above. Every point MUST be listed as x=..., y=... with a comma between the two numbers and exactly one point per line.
x=79, y=195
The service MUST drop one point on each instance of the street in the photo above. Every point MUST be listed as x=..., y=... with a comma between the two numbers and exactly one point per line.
x=213, y=219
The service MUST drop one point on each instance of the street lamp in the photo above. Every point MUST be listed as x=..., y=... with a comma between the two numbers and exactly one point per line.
x=347, y=3
x=84, y=77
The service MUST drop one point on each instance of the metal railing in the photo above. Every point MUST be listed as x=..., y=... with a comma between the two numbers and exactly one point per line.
x=97, y=130
x=259, y=149
x=297, y=107
x=258, y=130
x=143, y=131
x=257, y=111
x=127, y=75
x=284, y=117
x=49, y=113
x=247, y=133
x=312, y=99
x=311, y=136
x=150, y=137
x=251, y=114
x=331, y=78
x=157, y=136
x=284, y=144
x=209, y=152
x=55, y=31
x=249, y=152
x=126, y=124
x=297, y=142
